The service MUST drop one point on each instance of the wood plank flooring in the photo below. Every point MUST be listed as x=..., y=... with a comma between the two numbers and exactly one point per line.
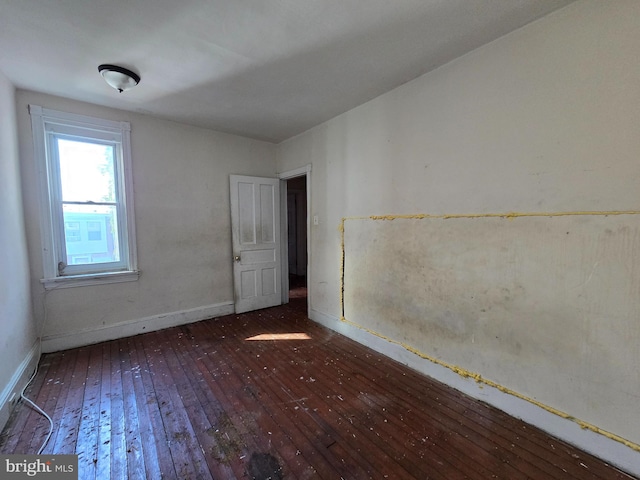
x=270, y=394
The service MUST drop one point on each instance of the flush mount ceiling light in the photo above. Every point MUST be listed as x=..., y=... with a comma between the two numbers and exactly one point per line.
x=118, y=77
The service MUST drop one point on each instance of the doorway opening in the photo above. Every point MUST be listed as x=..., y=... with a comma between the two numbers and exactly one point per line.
x=297, y=255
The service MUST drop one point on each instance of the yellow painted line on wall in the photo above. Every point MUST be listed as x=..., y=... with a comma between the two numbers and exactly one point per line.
x=461, y=371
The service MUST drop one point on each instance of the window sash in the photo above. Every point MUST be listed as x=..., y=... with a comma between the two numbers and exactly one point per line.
x=48, y=127
x=64, y=266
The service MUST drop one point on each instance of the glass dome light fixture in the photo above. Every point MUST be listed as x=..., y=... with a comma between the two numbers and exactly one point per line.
x=118, y=77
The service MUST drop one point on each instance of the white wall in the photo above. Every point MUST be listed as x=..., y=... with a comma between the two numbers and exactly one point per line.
x=542, y=120
x=181, y=195
x=18, y=341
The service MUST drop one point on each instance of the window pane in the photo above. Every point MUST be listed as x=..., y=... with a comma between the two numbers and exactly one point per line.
x=72, y=231
x=95, y=236
x=86, y=171
x=94, y=230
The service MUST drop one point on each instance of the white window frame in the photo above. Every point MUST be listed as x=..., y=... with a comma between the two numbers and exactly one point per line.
x=45, y=124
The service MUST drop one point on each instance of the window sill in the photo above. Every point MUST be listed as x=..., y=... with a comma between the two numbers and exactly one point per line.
x=90, y=279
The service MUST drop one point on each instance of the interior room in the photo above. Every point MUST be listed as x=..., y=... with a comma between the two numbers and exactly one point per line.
x=398, y=192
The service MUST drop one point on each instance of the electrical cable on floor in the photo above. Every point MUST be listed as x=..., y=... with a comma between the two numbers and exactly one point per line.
x=22, y=395
x=38, y=409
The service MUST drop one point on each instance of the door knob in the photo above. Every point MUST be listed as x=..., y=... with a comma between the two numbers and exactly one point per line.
x=237, y=258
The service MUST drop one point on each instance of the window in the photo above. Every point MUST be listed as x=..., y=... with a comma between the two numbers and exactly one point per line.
x=94, y=231
x=72, y=231
x=86, y=195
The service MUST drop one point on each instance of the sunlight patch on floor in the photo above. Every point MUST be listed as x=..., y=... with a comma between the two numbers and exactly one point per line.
x=280, y=336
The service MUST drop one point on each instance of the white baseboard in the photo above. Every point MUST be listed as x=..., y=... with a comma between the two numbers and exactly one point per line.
x=55, y=343
x=18, y=380
x=610, y=450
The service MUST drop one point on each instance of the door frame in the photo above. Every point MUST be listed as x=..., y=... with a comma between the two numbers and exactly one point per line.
x=284, y=254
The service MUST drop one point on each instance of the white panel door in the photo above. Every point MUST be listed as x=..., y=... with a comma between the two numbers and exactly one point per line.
x=255, y=225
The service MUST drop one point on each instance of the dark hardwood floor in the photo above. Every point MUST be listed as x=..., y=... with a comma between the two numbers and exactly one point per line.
x=270, y=394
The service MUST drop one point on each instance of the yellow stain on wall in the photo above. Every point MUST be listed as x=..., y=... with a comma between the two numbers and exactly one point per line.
x=342, y=253
x=420, y=216
x=461, y=371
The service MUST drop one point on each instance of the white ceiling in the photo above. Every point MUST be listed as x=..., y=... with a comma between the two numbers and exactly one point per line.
x=266, y=69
